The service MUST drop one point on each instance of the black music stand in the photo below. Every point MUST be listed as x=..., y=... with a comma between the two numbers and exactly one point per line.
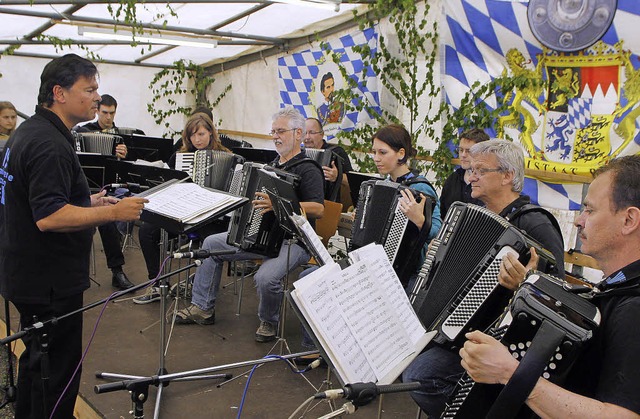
x=172, y=225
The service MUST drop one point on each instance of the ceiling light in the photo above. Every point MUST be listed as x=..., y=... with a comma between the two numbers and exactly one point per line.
x=146, y=38
x=324, y=4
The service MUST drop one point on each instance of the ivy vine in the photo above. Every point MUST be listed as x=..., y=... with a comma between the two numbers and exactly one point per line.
x=402, y=73
x=171, y=84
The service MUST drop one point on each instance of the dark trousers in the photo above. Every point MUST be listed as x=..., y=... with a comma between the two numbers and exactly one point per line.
x=111, y=244
x=149, y=238
x=64, y=353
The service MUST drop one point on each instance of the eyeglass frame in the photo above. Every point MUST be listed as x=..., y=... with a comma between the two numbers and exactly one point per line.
x=278, y=132
x=482, y=171
x=315, y=132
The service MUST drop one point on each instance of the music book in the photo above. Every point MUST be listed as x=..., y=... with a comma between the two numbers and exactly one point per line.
x=361, y=317
x=185, y=203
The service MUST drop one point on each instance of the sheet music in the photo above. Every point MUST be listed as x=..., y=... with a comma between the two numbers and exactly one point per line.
x=187, y=202
x=329, y=326
x=379, y=263
x=313, y=239
x=371, y=317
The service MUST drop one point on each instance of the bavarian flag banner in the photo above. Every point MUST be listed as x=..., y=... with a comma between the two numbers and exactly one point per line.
x=308, y=79
x=581, y=108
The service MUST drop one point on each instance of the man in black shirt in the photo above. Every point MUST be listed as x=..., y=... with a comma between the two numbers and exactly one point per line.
x=47, y=216
x=286, y=130
x=604, y=382
x=496, y=170
x=457, y=187
x=109, y=234
x=314, y=138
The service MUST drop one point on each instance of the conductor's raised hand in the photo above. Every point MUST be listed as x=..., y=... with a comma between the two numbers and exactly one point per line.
x=486, y=360
x=129, y=209
x=411, y=208
x=262, y=202
x=512, y=272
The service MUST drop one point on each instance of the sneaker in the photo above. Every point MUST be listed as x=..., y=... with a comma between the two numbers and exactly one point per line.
x=152, y=294
x=195, y=315
x=266, y=332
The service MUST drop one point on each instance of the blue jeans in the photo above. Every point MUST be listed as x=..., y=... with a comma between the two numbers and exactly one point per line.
x=438, y=370
x=268, y=278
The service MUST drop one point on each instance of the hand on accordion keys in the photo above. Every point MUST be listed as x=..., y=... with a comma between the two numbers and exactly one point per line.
x=512, y=271
x=262, y=202
x=412, y=208
x=486, y=360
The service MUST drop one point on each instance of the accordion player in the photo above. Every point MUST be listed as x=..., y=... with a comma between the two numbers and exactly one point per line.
x=379, y=219
x=250, y=229
x=97, y=142
x=457, y=288
x=210, y=168
x=545, y=328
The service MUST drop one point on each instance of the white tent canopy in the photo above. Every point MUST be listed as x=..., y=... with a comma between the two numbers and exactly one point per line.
x=232, y=28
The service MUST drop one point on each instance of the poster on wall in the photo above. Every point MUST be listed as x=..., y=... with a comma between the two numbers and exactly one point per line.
x=585, y=111
x=308, y=80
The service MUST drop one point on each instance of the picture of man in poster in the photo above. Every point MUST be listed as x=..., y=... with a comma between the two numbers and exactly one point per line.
x=329, y=112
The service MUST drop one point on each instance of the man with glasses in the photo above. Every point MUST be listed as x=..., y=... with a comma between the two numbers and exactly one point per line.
x=314, y=138
x=457, y=187
x=496, y=174
x=287, y=130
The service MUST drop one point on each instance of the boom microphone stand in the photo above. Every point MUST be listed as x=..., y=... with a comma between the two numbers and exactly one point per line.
x=140, y=394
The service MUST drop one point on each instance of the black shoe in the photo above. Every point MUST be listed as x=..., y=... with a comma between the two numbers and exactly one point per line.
x=120, y=280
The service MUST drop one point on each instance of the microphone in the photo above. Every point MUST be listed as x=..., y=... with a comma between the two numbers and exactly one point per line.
x=363, y=393
x=201, y=254
x=128, y=185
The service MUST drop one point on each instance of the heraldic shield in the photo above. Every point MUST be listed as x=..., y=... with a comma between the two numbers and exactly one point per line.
x=579, y=109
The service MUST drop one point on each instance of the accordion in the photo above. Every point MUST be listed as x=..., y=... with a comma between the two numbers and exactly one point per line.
x=249, y=229
x=210, y=168
x=457, y=288
x=378, y=219
x=545, y=329
x=97, y=142
x=323, y=156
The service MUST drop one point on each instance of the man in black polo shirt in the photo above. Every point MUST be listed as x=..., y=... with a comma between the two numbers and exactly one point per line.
x=286, y=130
x=496, y=172
x=314, y=138
x=109, y=234
x=47, y=217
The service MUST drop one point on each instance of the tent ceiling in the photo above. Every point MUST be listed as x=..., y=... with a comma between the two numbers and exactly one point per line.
x=240, y=28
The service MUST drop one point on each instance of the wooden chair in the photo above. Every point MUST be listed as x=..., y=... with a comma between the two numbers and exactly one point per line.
x=327, y=226
x=579, y=260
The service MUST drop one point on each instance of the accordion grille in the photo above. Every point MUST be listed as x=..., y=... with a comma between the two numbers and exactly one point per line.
x=97, y=142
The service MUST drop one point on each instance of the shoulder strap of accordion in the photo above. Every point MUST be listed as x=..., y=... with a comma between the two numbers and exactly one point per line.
x=534, y=208
x=288, y=166
x=417, y=179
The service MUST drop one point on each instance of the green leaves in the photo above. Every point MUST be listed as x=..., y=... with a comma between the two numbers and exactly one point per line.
x=170, y=85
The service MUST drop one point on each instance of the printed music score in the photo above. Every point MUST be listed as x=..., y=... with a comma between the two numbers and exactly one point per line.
x=361, y=317
x=188, y=202
x=312, y=240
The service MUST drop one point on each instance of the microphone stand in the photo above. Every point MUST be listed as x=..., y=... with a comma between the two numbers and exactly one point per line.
x=140, y=388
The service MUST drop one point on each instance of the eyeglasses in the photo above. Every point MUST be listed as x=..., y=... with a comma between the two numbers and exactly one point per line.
x=315, y=132
x=482, y=172
x=278, y=132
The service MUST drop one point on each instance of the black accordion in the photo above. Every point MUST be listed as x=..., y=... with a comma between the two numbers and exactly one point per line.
x=323, y=156
x=545, y=329
x=378, y=219
x=97, y=142
x=457, y=288
x=249, y=229
x=210, y=168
